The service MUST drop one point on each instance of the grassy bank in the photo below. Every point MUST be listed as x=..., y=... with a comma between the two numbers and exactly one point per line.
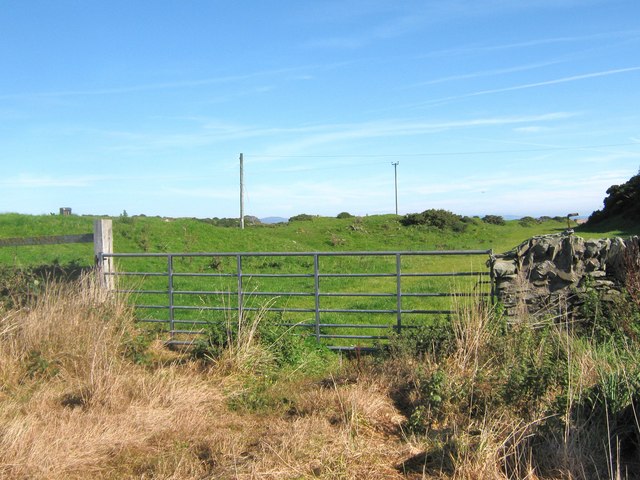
x=153, y=234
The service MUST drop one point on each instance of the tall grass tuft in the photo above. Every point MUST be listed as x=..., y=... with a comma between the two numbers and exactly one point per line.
x=72, y=401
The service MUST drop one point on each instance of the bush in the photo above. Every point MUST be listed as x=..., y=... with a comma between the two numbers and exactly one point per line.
x=437, y=218
x=606, y=318
x=527, y=221
x=622, y=201
x=344, y=215
x=303, y=217
x=437, y=339
x=493, y=219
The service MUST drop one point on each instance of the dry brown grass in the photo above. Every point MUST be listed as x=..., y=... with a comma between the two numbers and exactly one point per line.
x=73, y=404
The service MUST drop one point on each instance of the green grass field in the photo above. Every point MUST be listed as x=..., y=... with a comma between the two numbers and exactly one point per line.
x=213, y=293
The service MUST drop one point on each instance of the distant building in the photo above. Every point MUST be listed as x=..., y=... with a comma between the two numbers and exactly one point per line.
x=65, y=211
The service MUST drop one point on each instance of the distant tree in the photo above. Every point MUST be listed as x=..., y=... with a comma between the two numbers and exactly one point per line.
x=344, y=215
x=125, y=218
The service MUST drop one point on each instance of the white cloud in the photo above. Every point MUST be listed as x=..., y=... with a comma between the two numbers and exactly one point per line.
x=329, y=134
x=525, y=86
x=484, y=73
x=530, y=129
x=479, y=49
x=284, y=72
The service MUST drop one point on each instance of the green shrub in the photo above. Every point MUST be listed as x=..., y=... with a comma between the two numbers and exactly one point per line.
x=344, y=215
x=436, y=218
x=536, y=363
x=493, y=219
x=527, y=221
x=435, y=339
x=608, y=318
x=303, y=217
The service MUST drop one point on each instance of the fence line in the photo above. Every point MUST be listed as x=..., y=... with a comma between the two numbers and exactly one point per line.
x=102, y=239
x=46, y=240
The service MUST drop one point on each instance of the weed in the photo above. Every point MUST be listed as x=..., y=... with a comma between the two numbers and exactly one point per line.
x=258, y=343
x=609, y=318
x=435, y=339
x=136, y=346
x=37, y=366
x=336, y=241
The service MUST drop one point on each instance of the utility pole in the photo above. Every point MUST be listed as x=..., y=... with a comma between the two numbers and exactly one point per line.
x=395, y=174
x=241, y=192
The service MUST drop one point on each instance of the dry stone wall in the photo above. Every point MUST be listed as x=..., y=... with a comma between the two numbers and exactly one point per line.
x=545, y=275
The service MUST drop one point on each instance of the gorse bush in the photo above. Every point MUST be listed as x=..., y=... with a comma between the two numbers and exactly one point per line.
x=528, y=221
x=494, y=219
x=303, y=217
x=436, y=218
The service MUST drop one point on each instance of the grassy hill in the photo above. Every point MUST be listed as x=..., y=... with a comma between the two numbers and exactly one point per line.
x=154, y=234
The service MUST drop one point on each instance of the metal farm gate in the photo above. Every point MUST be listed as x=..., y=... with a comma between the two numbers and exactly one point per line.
x=346, y=300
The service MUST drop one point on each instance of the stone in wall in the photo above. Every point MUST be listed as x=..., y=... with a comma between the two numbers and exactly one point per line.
x=545, y=275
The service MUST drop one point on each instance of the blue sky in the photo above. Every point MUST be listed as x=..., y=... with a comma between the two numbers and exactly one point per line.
x=508, y=107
